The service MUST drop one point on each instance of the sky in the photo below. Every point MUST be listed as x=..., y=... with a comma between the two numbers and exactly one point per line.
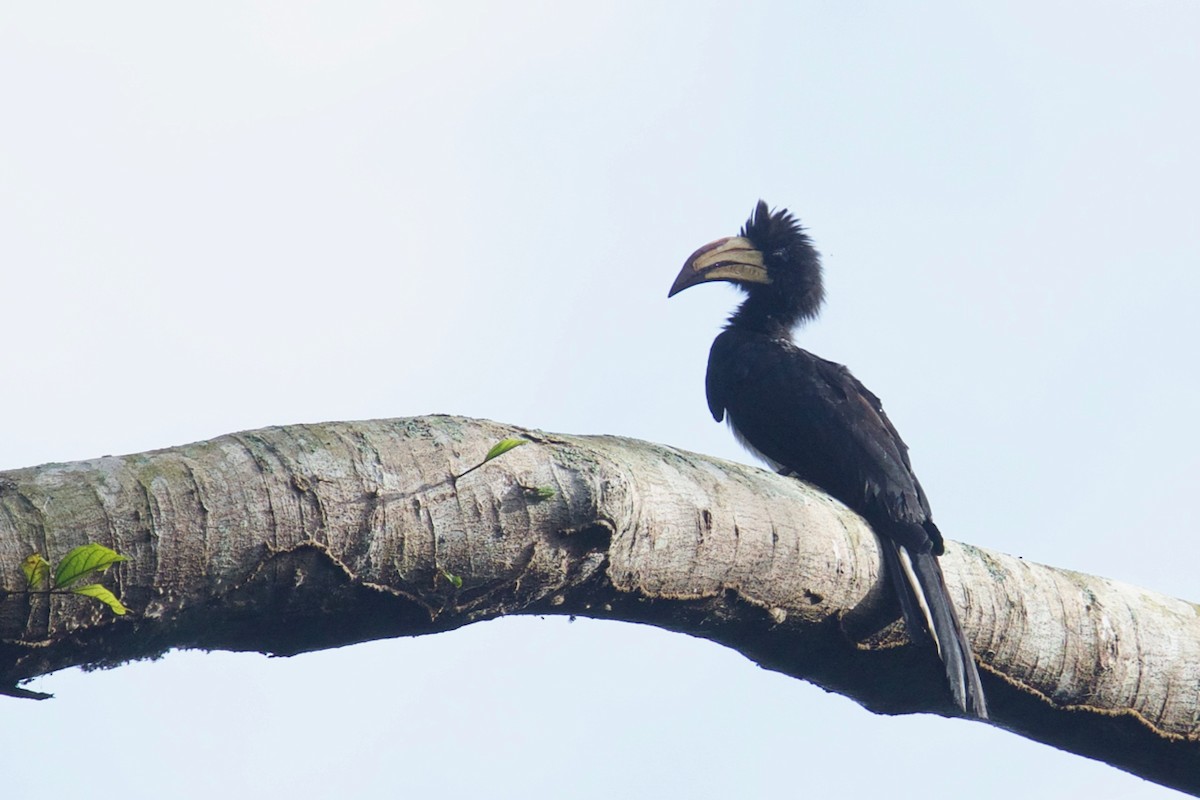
x=222, y=216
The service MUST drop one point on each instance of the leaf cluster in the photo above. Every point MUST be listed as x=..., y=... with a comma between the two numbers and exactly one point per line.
x=82, y=563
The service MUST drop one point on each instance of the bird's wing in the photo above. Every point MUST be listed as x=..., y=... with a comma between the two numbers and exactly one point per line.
x=816, y=419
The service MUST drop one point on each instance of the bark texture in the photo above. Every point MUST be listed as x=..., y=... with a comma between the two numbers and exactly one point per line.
x=291, y=539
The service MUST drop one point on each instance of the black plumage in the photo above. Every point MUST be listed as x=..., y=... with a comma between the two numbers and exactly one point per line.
x=811, y=418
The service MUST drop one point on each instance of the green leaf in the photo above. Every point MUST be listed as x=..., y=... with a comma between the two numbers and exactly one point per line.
x=83, y=560
x=454, y=579
x=537, y=494
x=501, y=447
x=37, y=571
x=498, y=449
x=103, y=595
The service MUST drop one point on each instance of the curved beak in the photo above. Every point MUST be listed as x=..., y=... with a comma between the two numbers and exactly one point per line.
x=732, y=259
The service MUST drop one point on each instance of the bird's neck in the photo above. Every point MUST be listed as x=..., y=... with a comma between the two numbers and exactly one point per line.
x=770, y=315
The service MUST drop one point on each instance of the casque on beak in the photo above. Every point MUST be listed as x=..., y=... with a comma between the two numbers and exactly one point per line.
x=731, y=259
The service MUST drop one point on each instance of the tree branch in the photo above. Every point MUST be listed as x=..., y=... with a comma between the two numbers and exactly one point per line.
x=286, y=540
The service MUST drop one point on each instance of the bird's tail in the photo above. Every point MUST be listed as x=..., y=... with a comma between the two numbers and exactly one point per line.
x=930, y=615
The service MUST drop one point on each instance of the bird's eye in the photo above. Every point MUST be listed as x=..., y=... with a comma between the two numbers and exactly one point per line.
x=779, y=254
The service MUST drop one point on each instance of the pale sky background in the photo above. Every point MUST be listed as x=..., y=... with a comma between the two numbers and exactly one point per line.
x=221, y=216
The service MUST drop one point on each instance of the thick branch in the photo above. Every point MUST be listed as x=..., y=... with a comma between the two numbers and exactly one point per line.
x=292, y=539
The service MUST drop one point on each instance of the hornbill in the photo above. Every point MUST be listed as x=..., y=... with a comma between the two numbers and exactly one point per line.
x=810, y=418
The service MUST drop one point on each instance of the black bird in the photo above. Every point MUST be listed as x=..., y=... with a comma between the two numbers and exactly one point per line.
x=812, y=419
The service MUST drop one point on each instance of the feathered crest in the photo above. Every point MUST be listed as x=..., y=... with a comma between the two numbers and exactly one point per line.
x=771, y=230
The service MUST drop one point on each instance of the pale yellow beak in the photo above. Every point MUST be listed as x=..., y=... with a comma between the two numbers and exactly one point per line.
x=732, y=259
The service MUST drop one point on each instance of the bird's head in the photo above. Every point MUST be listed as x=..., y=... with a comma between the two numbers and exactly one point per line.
x=772, y=260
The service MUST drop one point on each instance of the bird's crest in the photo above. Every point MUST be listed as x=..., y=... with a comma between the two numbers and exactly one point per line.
x=771, y=230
